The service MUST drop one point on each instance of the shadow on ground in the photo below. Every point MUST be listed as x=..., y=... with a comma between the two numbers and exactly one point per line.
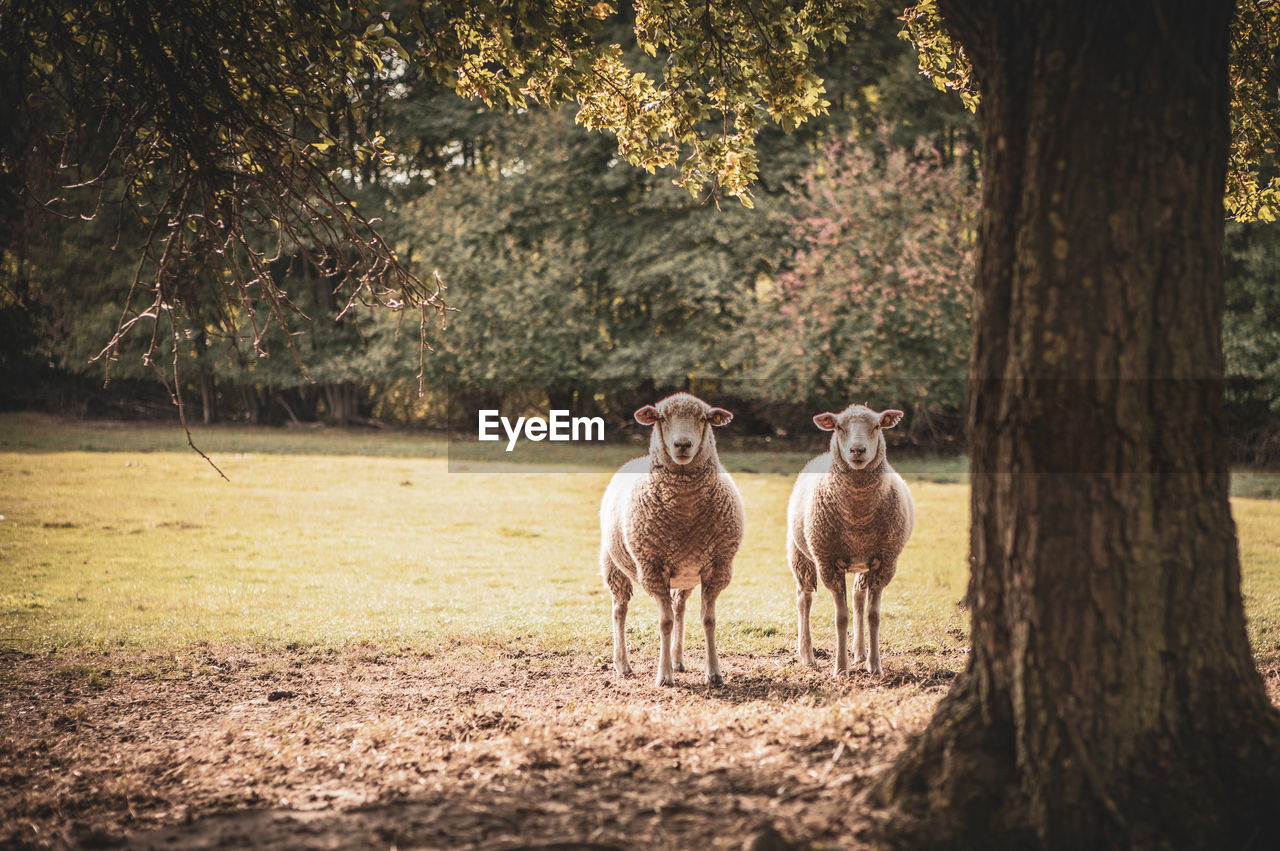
x=223, y=747
x=474, y=748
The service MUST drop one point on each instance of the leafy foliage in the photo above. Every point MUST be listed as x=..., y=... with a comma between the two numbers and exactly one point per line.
x=726, y=67
x=575, y=270
x=876, y=298
x=214, y=127
x=1251, y=337
x=237, y=134
x=941, y=58
x=1253, y=171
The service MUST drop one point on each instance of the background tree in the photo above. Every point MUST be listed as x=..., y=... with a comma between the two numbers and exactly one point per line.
x=876, y=296
x=1251, y=339
x=572, y=270
x=207, y=125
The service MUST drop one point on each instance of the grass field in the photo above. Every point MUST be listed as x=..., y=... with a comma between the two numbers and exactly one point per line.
x=370, y=540
x=456, y=608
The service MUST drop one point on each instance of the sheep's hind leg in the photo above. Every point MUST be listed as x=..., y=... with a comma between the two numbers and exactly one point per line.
x=620, y=588
x=678, y=600
x=842, y=625
x=859, y=619
x=873, y=627
x=804, y=638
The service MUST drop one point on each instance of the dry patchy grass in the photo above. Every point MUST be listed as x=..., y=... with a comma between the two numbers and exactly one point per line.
x=471, y=747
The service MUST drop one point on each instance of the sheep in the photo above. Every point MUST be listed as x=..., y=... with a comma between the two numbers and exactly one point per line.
x=849, y=512
x=670, y=521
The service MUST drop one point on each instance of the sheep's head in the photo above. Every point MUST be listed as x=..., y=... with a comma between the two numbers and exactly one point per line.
x=682, y=427
x=857, y=434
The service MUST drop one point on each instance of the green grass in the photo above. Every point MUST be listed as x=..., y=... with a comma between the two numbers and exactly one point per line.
x=1255, y=484
x=36, y=433
x=120, y=537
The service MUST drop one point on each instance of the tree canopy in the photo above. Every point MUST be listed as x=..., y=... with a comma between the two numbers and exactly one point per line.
x=230, y=134
x=635, y=280
x=208, y=126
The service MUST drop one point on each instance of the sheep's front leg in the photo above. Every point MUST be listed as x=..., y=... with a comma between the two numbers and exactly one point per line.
x=873, y=627
x=804, y=639
x=620, y=590
x=666, y=621
x=859, y=619
x=839, y=592
x=678, y=600
x=806, y=574
x=709, y=625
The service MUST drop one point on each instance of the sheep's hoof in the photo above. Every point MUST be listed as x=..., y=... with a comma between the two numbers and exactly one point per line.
x=858, y=660
x=679, y=667
x=808, y=660
x=715, y=680
x=664, y=681
x=874, y=670
x=624, y=669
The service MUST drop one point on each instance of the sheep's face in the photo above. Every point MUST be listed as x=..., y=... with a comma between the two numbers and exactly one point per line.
x=681, y=426
x=857, y=433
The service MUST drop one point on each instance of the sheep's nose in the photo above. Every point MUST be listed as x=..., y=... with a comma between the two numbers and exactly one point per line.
x=684, y=444
x=858, y=452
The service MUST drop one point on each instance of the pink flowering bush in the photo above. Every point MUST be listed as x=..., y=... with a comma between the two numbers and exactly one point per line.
x=874, y=304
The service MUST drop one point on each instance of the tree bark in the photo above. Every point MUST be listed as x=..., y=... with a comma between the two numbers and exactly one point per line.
x=340, y=399
x=208, y=388
x=208, y=399
x=252, y=403
x=1111, y=698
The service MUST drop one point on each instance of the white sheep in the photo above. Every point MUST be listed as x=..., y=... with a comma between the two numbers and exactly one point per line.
x=849, y=513
x=671, y=521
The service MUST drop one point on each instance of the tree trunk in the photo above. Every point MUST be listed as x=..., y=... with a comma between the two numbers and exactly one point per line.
x=252, y=404
x=338, y=397
x=208, y=399
x=559, y=398
x=1111, y=698
x=208, y=389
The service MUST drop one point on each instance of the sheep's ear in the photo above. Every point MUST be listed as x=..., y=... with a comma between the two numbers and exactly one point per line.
x=719, y=417
x=826, y=422
x=648, y=415
x=890, y=418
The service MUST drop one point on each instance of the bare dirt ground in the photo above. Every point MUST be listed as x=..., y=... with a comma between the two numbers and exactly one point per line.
x=500, y=749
